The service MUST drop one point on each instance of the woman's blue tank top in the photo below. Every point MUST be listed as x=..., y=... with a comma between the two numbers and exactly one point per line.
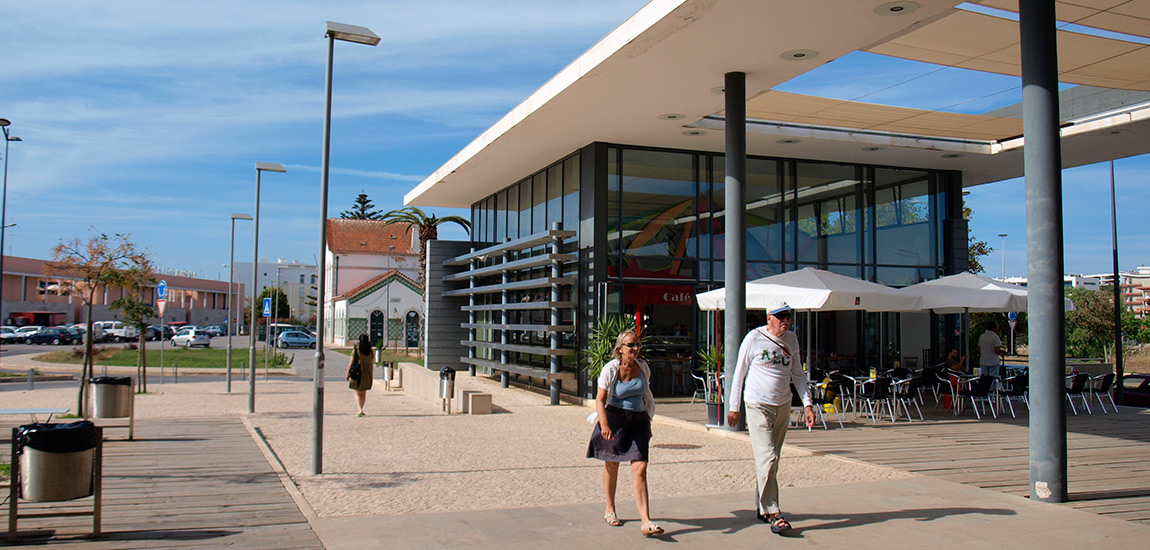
x=629, y=395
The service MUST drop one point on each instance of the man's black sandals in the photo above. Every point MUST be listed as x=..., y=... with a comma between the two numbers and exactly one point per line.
x=780, y=525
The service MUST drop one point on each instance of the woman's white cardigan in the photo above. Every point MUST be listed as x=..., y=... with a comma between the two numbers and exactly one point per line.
x=610, y=374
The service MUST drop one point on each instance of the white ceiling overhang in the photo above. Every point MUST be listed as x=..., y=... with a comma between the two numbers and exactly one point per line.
x=671, y=57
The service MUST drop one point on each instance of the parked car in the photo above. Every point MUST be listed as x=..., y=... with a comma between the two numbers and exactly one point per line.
x=155, y=333
x=189, y=337
x=295, y=339
x=52, y=335
x=1136, y=390
x=8, y=335
x=214, y=330
x=77, y=333
x=117, y=331
x=25, y=332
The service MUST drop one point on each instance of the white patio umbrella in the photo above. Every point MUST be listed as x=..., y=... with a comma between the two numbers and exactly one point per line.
x=966, y=292
x=811, y=289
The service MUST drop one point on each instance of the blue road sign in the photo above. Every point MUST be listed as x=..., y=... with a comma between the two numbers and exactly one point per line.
x=267, y=307
x=162, y=290
x=1013, y=315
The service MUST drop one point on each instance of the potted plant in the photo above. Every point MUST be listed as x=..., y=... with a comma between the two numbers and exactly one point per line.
x=601, y=345
x=711, y=360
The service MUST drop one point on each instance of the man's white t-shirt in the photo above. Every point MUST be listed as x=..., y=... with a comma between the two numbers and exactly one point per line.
x=987, y=357
x=766, y=368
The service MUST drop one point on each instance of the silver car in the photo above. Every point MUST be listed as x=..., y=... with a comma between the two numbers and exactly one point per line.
x=295, y=339
x=189, y=337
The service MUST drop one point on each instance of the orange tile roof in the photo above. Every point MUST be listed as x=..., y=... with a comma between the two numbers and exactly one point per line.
x=367, y=237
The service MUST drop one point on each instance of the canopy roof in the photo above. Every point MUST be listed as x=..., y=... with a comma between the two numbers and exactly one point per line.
x=818, y=290
x=656, y=80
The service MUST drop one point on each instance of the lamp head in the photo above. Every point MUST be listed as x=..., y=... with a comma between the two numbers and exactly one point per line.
x=270, y=167
x=351, y=33
x=14, y=138
x=238, y=216
x=4, y=122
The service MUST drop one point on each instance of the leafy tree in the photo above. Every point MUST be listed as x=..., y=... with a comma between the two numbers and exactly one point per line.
x=976, y=249
x=428, y=229
x=282, y=309
x=1090, y=327
x=95, y=263
x=363, y=209
x=139, y=276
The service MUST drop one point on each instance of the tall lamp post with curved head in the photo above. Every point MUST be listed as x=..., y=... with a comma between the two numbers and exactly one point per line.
x=359, y=35
x=260, y=167
x=232, y=324
x=4, y=123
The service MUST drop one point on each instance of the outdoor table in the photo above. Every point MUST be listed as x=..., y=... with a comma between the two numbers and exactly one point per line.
x=33, y=412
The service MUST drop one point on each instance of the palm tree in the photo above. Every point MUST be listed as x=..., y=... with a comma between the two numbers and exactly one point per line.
x=428, y=229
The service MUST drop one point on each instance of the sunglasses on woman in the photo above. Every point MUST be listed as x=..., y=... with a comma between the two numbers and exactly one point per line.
x=632, y=345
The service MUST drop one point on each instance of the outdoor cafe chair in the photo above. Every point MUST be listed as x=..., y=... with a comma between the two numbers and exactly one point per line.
x=822, y=394
x=978, y=390
x=700, y=392
x=910, y=362
x=875, y=394
x=904, y=394
x=1099, y=386
x=1015, y=388
x=1078, y=383
x=846, y=388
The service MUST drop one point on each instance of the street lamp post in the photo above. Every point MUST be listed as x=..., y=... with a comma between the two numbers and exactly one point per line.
x=359, y=35
x=8, y=138
x=260, y=167
x=231, y=296
x=1003, y=237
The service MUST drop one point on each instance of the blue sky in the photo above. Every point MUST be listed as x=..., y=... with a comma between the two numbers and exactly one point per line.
x=147, y=118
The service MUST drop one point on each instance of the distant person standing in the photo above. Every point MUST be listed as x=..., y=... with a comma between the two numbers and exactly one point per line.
x=362, y=353
x=990, y=351
x=769, y=362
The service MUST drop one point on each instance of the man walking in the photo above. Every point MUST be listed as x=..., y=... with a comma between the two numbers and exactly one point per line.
x=989, y=350
x=769, y=362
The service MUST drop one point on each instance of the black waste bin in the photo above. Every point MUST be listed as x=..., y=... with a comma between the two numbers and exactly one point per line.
x=56, y=460
x=111, y=396
x=446, y=383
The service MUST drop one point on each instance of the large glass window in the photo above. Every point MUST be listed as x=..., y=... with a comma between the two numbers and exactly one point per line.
x=903, y=219
x=826, y=229
x=764, y=212
x=571, y=193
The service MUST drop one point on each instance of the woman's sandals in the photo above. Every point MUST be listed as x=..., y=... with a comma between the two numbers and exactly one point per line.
x=611, y=519
x=652, y=529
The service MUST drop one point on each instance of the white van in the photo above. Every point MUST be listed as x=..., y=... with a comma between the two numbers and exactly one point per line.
x=116, y=331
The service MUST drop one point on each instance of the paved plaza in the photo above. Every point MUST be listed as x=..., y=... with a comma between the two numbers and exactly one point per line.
x=204, y=473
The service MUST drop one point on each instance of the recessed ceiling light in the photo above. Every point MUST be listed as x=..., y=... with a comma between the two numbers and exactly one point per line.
x=1116, y=132
x=890, y=9
x=670, y=116
x=799, y=55
x=874, y=148
x=788, y=141
x=952, y=155
x=695, y=133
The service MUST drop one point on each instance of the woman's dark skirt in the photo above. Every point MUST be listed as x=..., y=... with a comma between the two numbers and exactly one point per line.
x=630, y=437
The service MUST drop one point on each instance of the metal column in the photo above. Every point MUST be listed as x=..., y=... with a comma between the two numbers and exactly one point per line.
x=504, y=318
x=734, y=268
x=471, y=332
x=556, y=273
x=1042, y=164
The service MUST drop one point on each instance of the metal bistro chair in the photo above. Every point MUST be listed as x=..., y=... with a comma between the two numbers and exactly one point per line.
x=822, y=394
x=876, y=393
x=910, y=362
x=978, y=390
x=846, y=387
x=1014, y=388
x=700, y=387
x=905, y=394
x=1077, y=387
x=1099, y=386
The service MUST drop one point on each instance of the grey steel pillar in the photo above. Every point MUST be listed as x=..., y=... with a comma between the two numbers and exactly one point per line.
x=255, y=296
x=1118, y=370
x=556, y=272
x=1043, y=165
x=318, y=370
x=471, y=332
x=504, y=319
x=735, y=225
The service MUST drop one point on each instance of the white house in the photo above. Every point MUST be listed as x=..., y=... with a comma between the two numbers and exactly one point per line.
x=370, y=283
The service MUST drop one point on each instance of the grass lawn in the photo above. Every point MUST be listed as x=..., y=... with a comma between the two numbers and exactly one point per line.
x=210, y=358
x=387, y=355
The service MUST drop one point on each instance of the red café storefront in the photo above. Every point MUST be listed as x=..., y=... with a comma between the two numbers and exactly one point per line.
x=666, y=316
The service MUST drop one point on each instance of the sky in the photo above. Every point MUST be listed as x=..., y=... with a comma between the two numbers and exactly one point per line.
x=147, y=118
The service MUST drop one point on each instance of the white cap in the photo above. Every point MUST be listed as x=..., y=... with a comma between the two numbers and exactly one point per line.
x=775, y=306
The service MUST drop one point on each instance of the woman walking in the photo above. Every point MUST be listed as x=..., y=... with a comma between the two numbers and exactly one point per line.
x=362, y=353
x=625, y=406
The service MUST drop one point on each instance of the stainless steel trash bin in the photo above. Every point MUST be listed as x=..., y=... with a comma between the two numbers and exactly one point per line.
x=111, y=397
x=56, y=460
x=446, y=383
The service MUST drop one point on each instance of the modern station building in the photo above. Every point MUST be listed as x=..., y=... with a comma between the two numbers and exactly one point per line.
x=604, y=191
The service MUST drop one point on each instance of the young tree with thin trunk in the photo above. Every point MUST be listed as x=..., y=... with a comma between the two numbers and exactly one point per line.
x=92, y=265
x=139, y=276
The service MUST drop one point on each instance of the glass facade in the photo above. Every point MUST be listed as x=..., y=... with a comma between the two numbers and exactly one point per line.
x=659, y=219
